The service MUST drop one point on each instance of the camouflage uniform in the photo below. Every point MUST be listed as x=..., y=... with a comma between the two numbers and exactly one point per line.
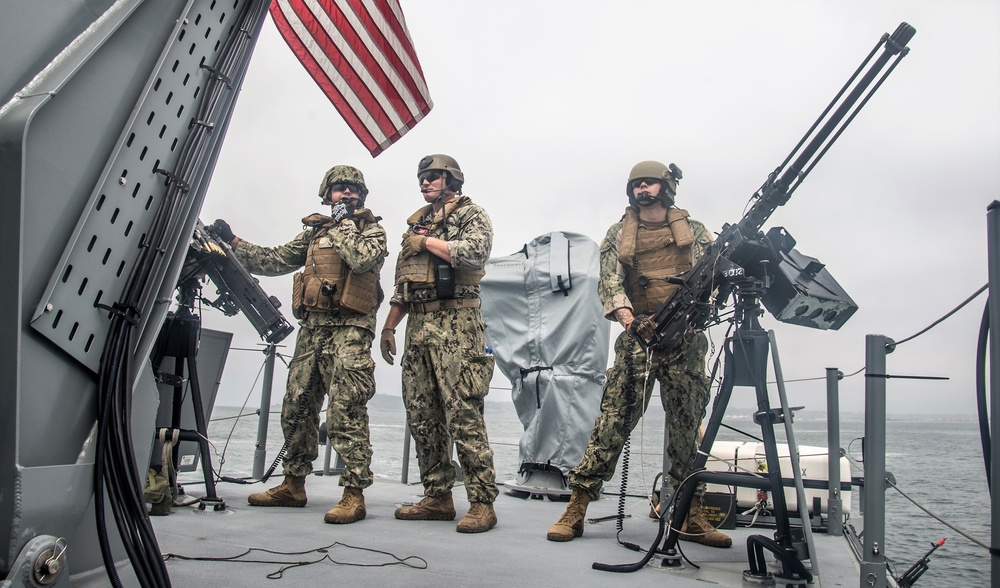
x=446, y=375
x=332, y=356
x=684, y=390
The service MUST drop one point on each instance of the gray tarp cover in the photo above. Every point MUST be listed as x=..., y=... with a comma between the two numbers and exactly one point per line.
x=550, y=339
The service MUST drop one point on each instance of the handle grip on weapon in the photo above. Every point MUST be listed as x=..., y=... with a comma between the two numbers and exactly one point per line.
x=238, y=290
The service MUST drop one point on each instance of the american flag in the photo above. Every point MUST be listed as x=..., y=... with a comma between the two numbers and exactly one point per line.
x=361, y=56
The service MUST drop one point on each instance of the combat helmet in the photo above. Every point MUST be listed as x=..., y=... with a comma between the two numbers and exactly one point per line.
x=445, y=163
x=343, y=174
x=668, y=176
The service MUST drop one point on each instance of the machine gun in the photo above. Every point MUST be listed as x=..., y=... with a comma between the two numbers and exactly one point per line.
x=913, y=573
x=238, y=290
x=740, y=254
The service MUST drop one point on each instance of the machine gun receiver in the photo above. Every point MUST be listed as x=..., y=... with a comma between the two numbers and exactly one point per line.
x=238, y=290
x=706, y=286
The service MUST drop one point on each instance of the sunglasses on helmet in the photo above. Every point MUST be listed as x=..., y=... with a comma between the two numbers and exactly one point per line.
x=429, y=176
x=648, y=181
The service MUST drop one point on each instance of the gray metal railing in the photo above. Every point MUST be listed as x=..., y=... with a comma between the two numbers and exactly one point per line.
x=260, y=453
x=874, y=571
x=834, y=525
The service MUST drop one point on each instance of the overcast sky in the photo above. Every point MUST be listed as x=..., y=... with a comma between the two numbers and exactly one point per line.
x=546, y=105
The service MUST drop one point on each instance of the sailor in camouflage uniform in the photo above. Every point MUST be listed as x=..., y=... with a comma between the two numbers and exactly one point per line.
x=653, y=241
x=335, y=298
x=446, y=374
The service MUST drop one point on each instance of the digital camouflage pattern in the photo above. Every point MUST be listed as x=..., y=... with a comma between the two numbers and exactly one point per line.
x=684, y=395
x=469, y=233
x=333, y=363
x=332, y=355
x=684, y=386
x=611, y=287
x=363, y=251
x=446, y=378
x=342, y=174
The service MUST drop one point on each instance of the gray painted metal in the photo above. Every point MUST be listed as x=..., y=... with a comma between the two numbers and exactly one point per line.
x=109, y=235
x=514, y=552
x=793, y=454
x=97, y=96
x=260, y=453
x=873, y=567
x=835, y=525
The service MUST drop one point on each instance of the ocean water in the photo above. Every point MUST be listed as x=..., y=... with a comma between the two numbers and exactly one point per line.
x=938, y=463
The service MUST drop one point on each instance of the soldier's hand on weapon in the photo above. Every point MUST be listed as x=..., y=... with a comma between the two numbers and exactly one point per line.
x=413, y=244
x=387, y=344
x=339, y=211
x=643, y=327
x=220, y=229
x=205, y=241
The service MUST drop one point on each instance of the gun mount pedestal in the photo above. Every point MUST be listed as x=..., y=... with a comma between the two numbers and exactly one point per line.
x=746, y=355
x=179, y=339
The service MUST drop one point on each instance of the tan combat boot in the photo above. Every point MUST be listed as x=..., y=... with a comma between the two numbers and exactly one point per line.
x=697, y=528
x=570, y=524
x=481, y=518
x=291, y=492
x=351, y=508
x=431, y=508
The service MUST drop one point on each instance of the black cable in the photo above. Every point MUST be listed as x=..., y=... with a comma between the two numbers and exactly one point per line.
x=104, y=415
x=620, y=517
x=115, y=465
x=984, y=419
x=627, y=568
x=943, y=318
x=626, y=457
x=397, y=561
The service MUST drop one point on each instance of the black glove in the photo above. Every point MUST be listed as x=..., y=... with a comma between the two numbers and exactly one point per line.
x=220, y=229
x=339, y=211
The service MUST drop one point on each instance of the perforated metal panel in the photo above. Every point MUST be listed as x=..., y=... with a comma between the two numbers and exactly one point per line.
x=105, y=245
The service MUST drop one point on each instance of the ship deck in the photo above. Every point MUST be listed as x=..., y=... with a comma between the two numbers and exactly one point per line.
x=383, y=551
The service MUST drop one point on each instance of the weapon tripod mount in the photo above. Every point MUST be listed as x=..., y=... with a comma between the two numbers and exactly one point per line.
x=179, y=339
x=746, y=354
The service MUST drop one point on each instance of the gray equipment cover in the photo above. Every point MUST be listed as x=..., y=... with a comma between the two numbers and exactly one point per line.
x=549, y=336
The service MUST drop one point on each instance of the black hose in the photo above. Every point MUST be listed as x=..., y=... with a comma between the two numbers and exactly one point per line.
x=984, y=422
x=628, y=568
x=115, y=464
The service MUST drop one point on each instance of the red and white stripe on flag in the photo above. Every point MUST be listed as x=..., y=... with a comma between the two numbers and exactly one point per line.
x=361, y=56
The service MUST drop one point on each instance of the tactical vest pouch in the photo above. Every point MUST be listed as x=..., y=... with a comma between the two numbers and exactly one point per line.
x=361, y=292
x=298, y=296
x=444, y=278
x=318, y=295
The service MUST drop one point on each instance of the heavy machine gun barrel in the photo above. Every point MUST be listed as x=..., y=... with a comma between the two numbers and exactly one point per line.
x=702, y=290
